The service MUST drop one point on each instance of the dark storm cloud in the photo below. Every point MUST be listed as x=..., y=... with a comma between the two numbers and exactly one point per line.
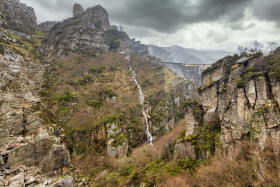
x=268, y=10
x=168, y=16
x=171, y=15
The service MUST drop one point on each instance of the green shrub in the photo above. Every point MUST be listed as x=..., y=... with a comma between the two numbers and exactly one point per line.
x=207, y=139
x=114, y=45
x=112, y=119
x=118, y=139
x=97, y=69
x=2, y=50
x=65, y=98
x=107, y=92
x=182, y=134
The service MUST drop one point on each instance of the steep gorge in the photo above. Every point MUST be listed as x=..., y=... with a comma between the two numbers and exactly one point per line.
x=73, y=111
x=52, y=110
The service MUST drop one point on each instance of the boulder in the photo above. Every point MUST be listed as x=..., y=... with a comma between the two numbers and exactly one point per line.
x=118, y=151
x=31, y=153
x=57, y=157
x=66, y=182
x=17, y=180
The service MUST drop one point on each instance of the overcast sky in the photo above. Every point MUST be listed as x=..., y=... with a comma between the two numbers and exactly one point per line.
x=199, y=24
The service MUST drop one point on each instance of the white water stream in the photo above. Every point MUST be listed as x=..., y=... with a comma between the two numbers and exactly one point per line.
x=142, y=98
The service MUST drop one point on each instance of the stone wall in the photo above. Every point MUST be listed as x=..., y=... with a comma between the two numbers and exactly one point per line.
x=190, y=72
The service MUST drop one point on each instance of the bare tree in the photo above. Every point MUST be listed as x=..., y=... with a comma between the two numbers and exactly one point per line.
x=242, y=50
x=257, y=47
x=272, y=46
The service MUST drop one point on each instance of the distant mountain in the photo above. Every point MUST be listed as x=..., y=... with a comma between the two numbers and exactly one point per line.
x=187, y=55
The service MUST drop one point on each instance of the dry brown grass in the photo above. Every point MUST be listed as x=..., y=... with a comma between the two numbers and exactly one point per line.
x=244, y=170
x=144, y=153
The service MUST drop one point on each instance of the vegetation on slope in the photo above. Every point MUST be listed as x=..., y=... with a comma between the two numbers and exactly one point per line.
x=27, y=47
x=84, y=94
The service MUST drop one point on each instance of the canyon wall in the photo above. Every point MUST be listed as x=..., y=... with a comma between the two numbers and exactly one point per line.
x=244, y=94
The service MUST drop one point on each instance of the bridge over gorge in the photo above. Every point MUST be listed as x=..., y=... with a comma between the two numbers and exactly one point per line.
x=187, y=71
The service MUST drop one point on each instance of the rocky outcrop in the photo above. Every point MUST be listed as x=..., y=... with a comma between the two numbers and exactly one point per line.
x=17, y=16
x=191, y=72
x=117, y=144
x=89, y=32
x=19, y=83
x=57, y=157
x=27, y=144
x=245, y=98
x=66, y=182
x=46, y=26
x=82, y=32
x=77, y=10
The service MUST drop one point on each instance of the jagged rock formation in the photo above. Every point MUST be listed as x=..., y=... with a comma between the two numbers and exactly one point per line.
x=244, y=93
x=17, y=16
x=238, y=102
x=89, y=31
x=77, y=9
x=191, y=72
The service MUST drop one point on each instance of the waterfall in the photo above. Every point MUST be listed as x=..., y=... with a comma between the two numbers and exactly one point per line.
x=142, y=99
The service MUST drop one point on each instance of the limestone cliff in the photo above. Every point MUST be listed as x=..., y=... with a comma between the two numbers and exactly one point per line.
x=89, y=31
x=17, y=16
x=30, y=152
x=27, y=143
x=244, y=94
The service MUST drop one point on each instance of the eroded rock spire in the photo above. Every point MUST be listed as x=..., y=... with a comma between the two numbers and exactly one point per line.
x=77, y=9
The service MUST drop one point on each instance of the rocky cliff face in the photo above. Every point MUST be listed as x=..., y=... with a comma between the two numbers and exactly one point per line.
x=238, y=103
x=27, y=144
x=17, y=16
x=244, y=94
x=88, y=31
x=30, y=152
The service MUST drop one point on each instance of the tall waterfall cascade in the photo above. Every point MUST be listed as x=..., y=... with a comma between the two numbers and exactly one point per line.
x=142, y=99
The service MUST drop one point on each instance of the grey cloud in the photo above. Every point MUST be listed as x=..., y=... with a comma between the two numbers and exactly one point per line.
x=268, y=10
x=169, y=16
x=217, y=37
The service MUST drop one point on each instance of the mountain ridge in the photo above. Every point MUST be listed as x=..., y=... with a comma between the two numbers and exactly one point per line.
x=179, y=54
